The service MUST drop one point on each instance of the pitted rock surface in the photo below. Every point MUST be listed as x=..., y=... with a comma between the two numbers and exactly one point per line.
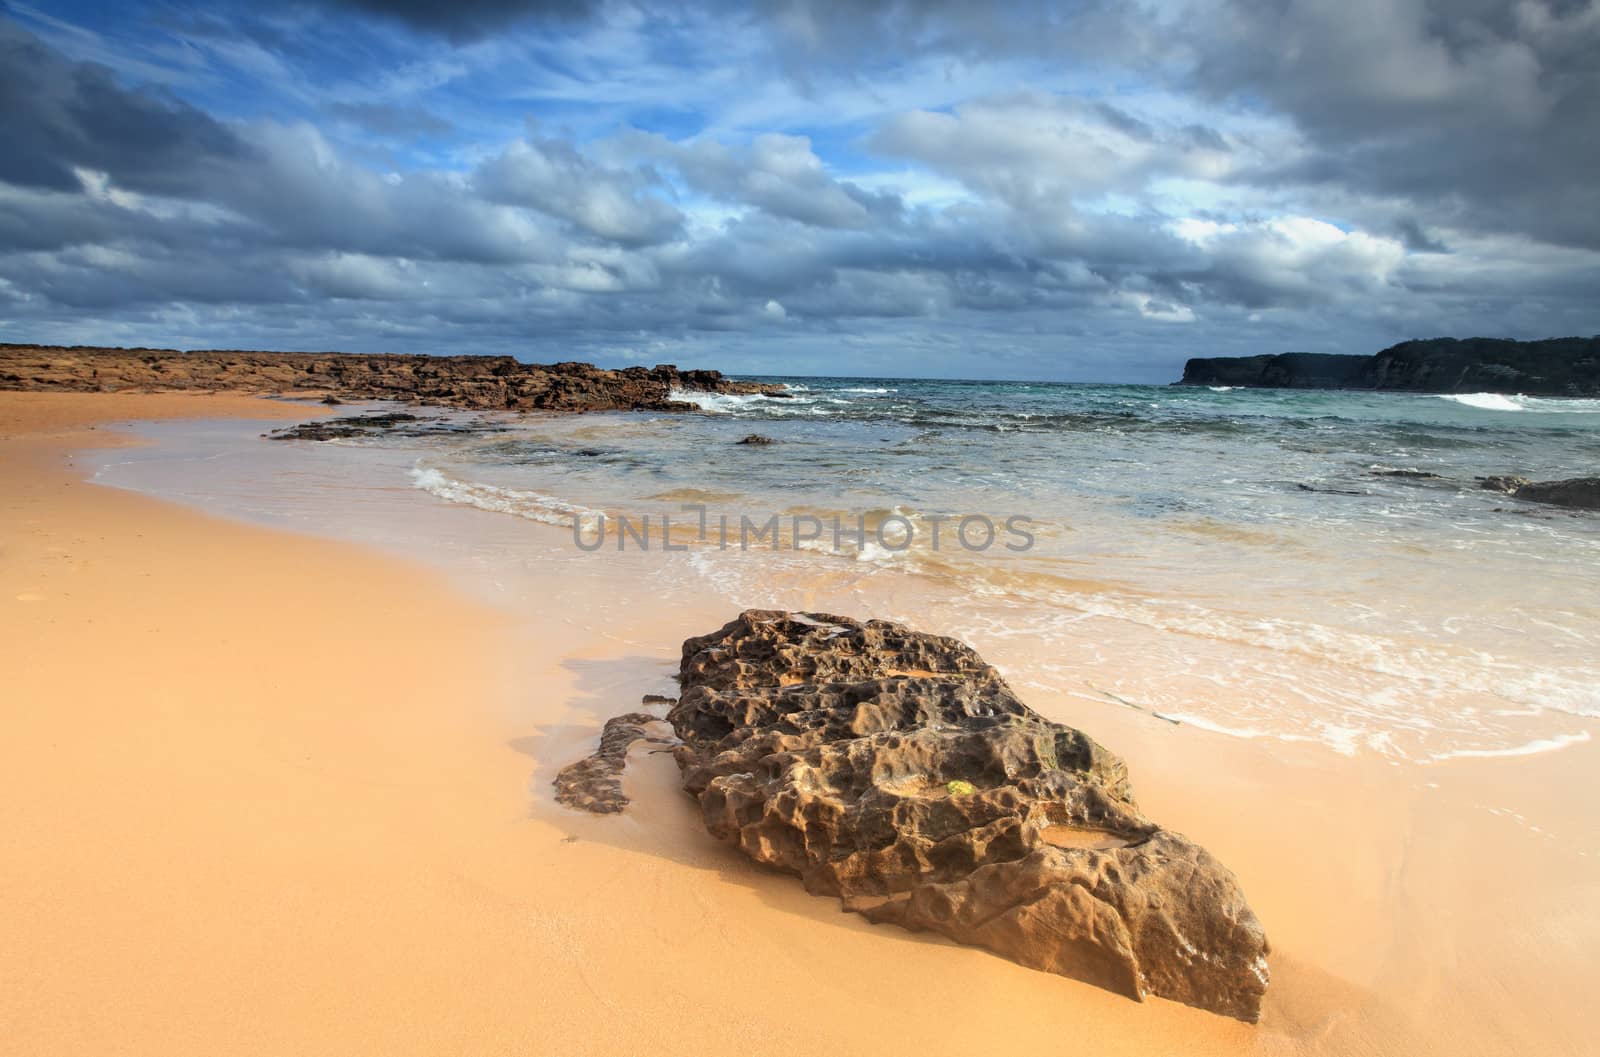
x=594, y=783
x=897, y=771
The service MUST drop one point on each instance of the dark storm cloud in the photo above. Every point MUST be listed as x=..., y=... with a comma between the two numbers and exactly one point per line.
x=812, y=32
x=1484, y=114
x=60, y=115
x=467, y=19
x=1416, y=238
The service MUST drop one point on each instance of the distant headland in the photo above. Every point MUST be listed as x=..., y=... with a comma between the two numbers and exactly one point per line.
x=1551, y=367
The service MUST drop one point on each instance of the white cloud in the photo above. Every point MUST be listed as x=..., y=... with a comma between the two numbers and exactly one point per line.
x=778, y=174
x=1032, y=150
x=555, y=178
x=1296, y=254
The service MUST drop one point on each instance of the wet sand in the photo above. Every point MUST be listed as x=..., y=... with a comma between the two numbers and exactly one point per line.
x=267, y=794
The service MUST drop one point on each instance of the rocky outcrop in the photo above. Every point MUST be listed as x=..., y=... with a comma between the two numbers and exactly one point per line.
x=1503, y=483
x=1552, y=367
x=594, y=783
x=1408, y=475
x=351, y=426
x=1577, y=493
x=498, y=383
x=898, y=772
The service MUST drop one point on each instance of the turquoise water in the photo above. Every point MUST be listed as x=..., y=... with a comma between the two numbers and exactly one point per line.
x=1250, y=457
x=1248, y=538
x=1236, y=560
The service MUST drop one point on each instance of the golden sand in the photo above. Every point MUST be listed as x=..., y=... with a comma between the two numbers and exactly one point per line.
x=264, y=794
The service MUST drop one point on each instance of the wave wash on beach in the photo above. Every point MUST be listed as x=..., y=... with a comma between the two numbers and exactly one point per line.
x=1319, y=567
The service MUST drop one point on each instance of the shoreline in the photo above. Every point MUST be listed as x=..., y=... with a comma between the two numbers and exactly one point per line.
x=300, y=803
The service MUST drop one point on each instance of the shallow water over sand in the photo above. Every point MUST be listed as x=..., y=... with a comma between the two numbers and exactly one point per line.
x=1237, y=561
x=1412, y=908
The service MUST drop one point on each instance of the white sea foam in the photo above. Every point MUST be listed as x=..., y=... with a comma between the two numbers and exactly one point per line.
x=1222, y=388
x=1401, y=689
x=872, y=552
x=1539, y=405
x=868, y=551
x=728, y=403
x=1204, y=723
x=525, y=504
x=1485, y=401
x=1559, y=405
x=1383, y=703
x=1532, y=748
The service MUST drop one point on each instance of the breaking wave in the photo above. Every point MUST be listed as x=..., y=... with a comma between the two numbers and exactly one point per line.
x=727, y=403
x=1502, y=402
x=534, y=506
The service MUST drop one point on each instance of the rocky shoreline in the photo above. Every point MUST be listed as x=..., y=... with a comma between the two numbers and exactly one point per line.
x=896, y=771
x=479, y=383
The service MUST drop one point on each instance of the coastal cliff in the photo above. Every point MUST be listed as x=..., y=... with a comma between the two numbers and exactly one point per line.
x=1552, y=367
x=483, y=383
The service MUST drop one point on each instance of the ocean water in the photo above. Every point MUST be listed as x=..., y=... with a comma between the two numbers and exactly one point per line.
x=1243, y=561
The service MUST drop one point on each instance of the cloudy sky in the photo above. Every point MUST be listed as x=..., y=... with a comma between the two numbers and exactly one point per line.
x=1084, y=191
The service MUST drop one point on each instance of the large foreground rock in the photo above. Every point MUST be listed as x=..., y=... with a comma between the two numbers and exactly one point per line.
x=897, y=771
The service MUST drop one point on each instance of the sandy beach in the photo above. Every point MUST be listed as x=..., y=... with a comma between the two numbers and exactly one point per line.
x=263, y=793
x=545, y=528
